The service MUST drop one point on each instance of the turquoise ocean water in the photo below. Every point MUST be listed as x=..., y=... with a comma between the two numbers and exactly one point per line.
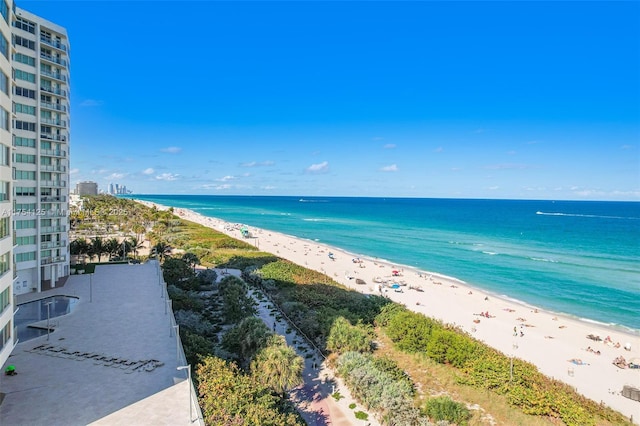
x=570, y=257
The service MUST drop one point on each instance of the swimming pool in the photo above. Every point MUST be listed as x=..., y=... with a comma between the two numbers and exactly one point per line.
x=36, y=311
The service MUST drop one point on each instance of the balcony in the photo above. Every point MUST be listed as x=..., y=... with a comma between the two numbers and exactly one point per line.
x=54, y=213
x=53, y=59
x=53, y=229
x=53, y=121
x=53, y=168
x=55, y=183
x=53, y=152
x=52, y=244
x=56, y=259
x=53, y=43
x=54, y=90
x=56, y=75
x=53, y=199
x=51, y=105
x=52, y=137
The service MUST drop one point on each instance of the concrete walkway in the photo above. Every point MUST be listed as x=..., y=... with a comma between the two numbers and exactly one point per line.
x=313, y=398
x=111, y=361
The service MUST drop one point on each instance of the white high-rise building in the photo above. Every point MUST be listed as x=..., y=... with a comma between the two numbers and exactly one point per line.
x=7, y=266
x=34, y=176
x=41, y=156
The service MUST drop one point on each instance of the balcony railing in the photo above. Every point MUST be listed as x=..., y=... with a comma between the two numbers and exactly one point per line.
x=54, y=213
x=51, y=105
x=53, y=152
x=54, y=90
x=53, y=168
x=53, y=121
x=52, y=244
x=53, y=229
x=48, y=260
x=53, y=199
x=52, y=137
x=56, y=75
x=57, y=183
x=53, y=59
x=53, y=43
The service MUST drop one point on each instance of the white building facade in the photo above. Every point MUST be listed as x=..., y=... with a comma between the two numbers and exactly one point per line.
x=41, y=152
x=34, y=160
x=7, y=268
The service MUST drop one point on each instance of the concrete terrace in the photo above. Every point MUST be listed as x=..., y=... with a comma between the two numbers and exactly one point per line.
x=113, y=360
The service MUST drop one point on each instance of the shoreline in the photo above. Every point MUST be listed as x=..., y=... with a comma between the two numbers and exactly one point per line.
x=547, y=339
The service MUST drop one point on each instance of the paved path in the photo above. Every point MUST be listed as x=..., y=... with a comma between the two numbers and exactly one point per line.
x=313, y=398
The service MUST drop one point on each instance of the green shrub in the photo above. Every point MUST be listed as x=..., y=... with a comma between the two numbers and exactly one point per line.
x=361, y=415
x=345, y=337
x=352, y=405
x=444, y=408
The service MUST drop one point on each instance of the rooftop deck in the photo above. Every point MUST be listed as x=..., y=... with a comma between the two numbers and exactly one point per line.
x=113, y=360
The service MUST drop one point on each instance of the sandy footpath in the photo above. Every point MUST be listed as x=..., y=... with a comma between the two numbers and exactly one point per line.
x=545, y=339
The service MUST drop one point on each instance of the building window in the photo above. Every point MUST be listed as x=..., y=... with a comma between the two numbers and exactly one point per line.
x=26, y=76
x=26, y=224
x=5, y=335
x=25, y=191
x=24, y=59
x=25, y=125
x=5, y=297
x=25, y=257
x=24, y=109
x=4, y=10
x=24, y=207
x=4, y=191
x=4, y=155
x=25, y=158
x=23, y=24
x=4, y=119
x=27, y=93
x=28, y=142
x=25, y=175
x=5, y=226
x=4, y=46
x=26, y=241
x=4, y=82
x=24, y=42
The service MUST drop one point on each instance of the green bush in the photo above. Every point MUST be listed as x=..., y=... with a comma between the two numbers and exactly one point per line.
x=361, y=415
x=444, y=408
x=352, y=405
x=345, y=337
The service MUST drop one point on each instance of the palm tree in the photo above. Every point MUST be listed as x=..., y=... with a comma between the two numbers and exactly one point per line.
x=162, y=250
x=136, y=245
x=191, y=260
x=79, y=247
x=125, y=248
x=111, y=247
x=278, y=367
x=98, y=247
x=139, y=229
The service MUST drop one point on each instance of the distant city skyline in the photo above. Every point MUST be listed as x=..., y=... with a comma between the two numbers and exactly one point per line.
x=523, y=100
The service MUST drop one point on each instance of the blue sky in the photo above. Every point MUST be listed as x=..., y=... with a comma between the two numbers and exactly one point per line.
x=535, y=100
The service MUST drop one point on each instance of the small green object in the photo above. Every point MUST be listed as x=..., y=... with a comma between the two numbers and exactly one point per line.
x=10, y=368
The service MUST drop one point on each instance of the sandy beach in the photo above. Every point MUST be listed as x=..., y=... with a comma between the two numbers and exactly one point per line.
x=543, y=338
